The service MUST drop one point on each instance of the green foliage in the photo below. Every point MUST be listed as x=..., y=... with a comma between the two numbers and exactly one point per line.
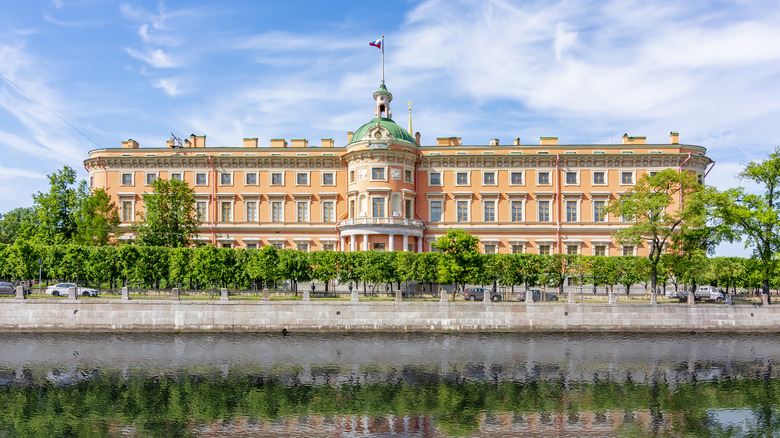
x=460, y=257
x=632, y=270
x=96, y=220
x=56, y=211
x=263, y=264
x=169, y=218
x=17, y=223
x=294, y=266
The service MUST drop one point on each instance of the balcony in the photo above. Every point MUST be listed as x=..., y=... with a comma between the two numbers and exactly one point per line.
x=381, y=221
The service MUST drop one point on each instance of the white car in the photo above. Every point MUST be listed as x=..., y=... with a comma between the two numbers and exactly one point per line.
x=61, y=289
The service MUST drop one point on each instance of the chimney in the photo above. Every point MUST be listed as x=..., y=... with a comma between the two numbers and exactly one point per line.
x=447, y=141
x=634, y=140
x=494, y=142
x=417, y=137
x=548, y=141
x=349, y=136
x=250, y=142
x=674, y=138
x=516, y=142
x=278, y=143
x=198, y=141
x=299, y=143
x=327, y=142
x=130, y=144
x=169, y=144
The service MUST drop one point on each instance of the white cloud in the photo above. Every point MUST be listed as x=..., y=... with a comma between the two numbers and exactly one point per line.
x=156, y=58
x=170, y=86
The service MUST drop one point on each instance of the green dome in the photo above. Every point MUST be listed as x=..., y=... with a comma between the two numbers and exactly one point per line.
x=396, y=131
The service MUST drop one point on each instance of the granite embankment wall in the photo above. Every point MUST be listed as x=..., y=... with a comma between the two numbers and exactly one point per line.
x=383, y=316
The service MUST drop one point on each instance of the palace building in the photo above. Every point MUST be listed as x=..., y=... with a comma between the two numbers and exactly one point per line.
x=386, y=191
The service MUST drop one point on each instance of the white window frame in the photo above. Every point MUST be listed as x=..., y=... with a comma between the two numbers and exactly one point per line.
x=549, y=178
x=522, y=178
x=352, y=178
x=246, y=179
x=593, y=177
x=430, y=178
x=468, y=178
x=132, y=210
x=522, y=210
x=122, y=179
x=410, y=174
x=221, y=207
x=332, y=177
x=593, y=211
x=549, y=210
x=430, y=209
x=494, y=203
x=623, y=250
x=633, y=177
x=383, y=203
x=333, y=211
x=545, y=244
x=577, y=210
x=495, y=178
x=493, y=248
x=205, y=175
x=307, y=219
x=177, y=176
x=384, y=173
x=271, y=210
x=148, y=183
x=271, y=179
x=468, y=210
x=205, y=217
x=576, y=176
x=306, y=175
x=222, y=176
x=246, y=211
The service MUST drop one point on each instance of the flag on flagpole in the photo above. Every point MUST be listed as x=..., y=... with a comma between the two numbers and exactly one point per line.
x=377, y=43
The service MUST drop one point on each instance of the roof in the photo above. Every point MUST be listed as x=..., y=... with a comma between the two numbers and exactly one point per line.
x=396, y=131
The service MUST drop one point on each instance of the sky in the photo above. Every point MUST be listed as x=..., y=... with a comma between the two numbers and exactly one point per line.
x=86, y=74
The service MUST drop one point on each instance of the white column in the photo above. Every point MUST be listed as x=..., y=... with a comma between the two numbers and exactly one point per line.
x=391, y=240
x=343, y=244
x=365, y=242
x=419, y=244
x=406, y=242
x=352, y=243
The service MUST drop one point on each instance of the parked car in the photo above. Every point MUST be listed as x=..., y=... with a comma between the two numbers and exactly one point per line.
x=61, y=289
x=673, y=294
x=7, y=288
x=537, y=295
x=708, y=293
x=478, y=294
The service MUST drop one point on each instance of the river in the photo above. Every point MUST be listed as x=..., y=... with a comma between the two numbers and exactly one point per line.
x=379, y=385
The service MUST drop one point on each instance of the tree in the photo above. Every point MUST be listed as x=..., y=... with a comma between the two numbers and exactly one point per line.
x=459, y=258
x=169, y=218
x=55, y=211
x=294, y=266
x=18, y=222
x=263, y=264
x=96, y=219
x=658, y=206
x=756, y=216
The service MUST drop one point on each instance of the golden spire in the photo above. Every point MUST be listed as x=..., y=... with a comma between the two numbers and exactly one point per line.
x=410, y=119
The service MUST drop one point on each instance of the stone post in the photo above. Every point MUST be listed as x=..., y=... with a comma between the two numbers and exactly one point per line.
x=307, y=294
x=764, y=299
x=691, y=298
x=728, y=300
x=572, y=298
x=529, y=297
x=612, y=298
x=72, y=293
x=443, y=295
x=398, y=296
x=20, y=293
x=486, y=296
x=125, y=294
x=175, y=293
x=355, y=296
x=224, y=295
x=266, y=294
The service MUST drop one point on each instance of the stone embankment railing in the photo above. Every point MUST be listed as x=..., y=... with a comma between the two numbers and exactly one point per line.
x=444, y=315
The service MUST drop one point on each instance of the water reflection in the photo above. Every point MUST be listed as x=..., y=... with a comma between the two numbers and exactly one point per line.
x=388, y=385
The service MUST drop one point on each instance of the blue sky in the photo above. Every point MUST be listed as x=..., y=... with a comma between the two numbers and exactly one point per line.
x=584, y=71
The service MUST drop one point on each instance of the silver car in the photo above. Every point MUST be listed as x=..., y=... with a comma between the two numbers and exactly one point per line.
x=61, y=289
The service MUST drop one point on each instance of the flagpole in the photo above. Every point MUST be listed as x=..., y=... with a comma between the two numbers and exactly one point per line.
x=383, y=57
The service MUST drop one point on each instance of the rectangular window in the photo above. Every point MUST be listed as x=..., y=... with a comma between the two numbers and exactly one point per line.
x=328, y=247
x=626, y=177
x=462, y=178
x=517, y=211
x=251, y=211
x=600, y=250
x=302, y=179
x=150, y=177
x=490, y=211
x=276, y=211
x=201, y=210
x=408, y=209
x=598, y=178
x=489, y=178
x=225, y=179
x=544, y=211
x=517, y=178
x=328, y=179
x=544, y=249
x=379, y=246
x=599, y=214
x=571, y=177
x=303, y=247
x=571, y=211
x=435, y=179
x=490, y=249
x=544, y=178
x=628, y=250
x=200, y=179
x=303, y=211
x=227, y=211
x=127, y=179
x=408, y=176
x=278, y=245
x=572, y=249
x=251, y=179
x=378, y=173
x=435, y=211
x=276, y=179
x=351, y=176
x=176, y=176
x=517, y=249
x=251, y=246
x=463, y=211
x=127, y=211
x=378, y=207
x=328, y=213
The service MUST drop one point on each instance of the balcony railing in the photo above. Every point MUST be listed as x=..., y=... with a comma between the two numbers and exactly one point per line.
x=381, y=221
